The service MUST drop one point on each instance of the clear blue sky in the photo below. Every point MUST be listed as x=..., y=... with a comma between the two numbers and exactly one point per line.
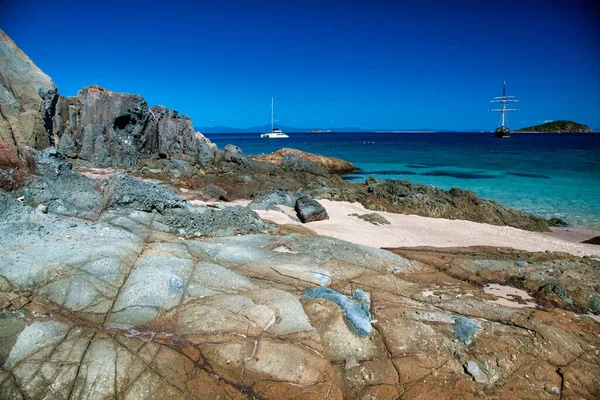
x=329, y=64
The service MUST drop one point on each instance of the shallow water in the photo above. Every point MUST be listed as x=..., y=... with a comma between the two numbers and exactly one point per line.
x=551, y=175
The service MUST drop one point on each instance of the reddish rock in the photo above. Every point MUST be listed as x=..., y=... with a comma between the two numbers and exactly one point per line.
x=331, y=164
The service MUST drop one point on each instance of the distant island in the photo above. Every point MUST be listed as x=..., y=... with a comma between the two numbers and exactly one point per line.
x=561, y=126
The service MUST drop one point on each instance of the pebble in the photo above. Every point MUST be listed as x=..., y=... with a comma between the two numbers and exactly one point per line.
x=521, y=264
x=555, y=390
x=42, y=208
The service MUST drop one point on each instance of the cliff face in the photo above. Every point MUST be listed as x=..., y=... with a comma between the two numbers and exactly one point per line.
x=561, y=126
x=110, y=129
x=27, y=103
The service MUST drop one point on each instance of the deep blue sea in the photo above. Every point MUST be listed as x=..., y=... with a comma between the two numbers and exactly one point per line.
x=550, y=175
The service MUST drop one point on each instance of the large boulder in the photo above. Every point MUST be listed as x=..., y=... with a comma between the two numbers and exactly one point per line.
x=310, y=210
x=27, y=102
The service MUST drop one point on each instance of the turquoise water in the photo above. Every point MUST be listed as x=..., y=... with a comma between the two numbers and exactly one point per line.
x=550, y=175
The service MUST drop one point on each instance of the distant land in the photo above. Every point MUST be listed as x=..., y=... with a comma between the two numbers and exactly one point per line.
x=561, y=126
x=556, y=126
x=291, y=129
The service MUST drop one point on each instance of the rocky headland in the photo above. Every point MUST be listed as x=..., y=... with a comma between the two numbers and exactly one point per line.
x=115, y=283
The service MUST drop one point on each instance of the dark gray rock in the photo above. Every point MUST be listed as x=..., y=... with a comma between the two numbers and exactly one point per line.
x=557, y=222
x=406, y=197
x=594, y=240
x=213, y=192
x=49, y=97
x=309, y=210
x=372, y=218
x=292, y=162
x=66, y=145
x=232, y=159
x=125, y=191
x=229, y=221
x=270, y=199
x=556, y=288
x=93, y=145
x=118, y=129
x=60, y=189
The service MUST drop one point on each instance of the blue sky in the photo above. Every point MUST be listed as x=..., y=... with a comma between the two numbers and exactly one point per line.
x=329, y=64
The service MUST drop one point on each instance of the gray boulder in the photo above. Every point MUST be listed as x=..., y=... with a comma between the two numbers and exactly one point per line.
x=309, y=210
x=271, y=198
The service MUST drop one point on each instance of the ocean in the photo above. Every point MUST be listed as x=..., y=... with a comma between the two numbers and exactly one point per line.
x=550, y=175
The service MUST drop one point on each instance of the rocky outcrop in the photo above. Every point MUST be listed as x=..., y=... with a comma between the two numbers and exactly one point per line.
x=331, y=164
x=27, y=103
x=113, y=129
x=126, y=305
x=409, y=198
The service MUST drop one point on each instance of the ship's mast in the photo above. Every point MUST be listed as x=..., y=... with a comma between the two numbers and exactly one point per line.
x=504, y=100
x=272, y=113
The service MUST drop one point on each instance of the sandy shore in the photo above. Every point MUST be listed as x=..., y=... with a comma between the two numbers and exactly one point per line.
x=413, y=230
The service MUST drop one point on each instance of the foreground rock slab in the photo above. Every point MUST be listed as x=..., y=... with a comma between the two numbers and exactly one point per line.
x=124, y=306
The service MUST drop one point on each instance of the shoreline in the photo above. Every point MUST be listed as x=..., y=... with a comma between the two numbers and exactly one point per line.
x=415, y=231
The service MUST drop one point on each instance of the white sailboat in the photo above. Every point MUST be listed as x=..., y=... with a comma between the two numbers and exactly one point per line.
x=275, y=133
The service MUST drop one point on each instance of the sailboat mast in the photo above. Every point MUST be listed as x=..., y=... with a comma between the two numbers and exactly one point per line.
x=272, y=113
x=504, y=101
x=503, y=104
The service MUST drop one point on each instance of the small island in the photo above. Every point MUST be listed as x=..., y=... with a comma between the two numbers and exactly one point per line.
x=561, y=126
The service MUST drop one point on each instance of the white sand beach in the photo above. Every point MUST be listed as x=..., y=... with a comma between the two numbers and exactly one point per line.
x=413, y=230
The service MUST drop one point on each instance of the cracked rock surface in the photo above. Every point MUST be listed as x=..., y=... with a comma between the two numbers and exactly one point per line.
x=125, y=305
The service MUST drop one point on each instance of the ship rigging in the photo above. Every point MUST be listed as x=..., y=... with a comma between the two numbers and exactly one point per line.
x=502, y=128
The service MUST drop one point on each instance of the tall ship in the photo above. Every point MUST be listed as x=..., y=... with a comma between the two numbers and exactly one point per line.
x=275, y=133
x=502, y=128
